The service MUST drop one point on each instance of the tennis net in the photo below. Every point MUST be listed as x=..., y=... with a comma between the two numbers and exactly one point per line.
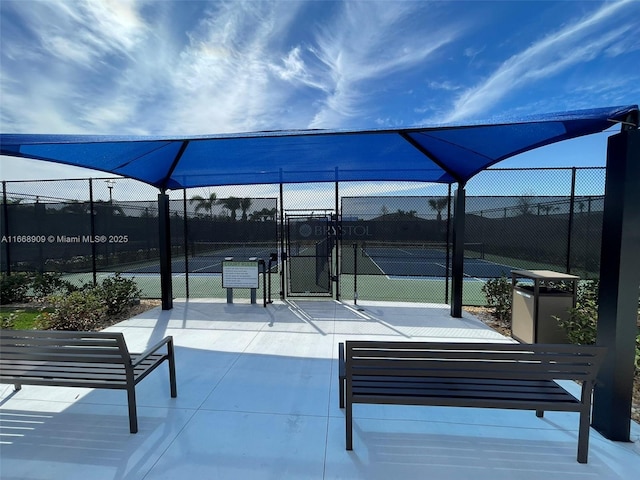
x=418, y=250
x=231, y=249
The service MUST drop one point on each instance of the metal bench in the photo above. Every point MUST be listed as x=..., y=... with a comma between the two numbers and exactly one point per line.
x=81, y=359
x=485, y=375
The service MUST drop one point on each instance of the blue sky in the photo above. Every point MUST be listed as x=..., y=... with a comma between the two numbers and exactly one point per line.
x=195, y=67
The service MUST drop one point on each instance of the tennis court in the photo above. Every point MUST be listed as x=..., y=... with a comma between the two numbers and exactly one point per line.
x=424, y=259
x=207, y=257
x=396, y=271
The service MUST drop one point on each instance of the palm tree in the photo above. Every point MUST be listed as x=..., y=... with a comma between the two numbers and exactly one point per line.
x=205, y=204
x=232, y=204
x=438, y=205
x=245, y=204
x=270, y=213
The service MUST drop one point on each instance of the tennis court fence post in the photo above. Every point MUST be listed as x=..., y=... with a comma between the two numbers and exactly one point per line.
x=457, y=262
x=5, y=226
x=355, y=273
x=92, y=226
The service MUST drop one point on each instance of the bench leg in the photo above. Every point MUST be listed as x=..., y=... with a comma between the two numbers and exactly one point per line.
x=583, y=436
x=539, y=413
x=172, y=370
x=341, y=373
x=17, y=387
x=348, y=418
x=133, y=415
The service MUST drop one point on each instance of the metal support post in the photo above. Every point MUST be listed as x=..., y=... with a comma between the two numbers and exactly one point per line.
x=164, y=222
x=572, y=204
x=6, y=231
x=337, y=242
x=618, y=291
x=283, y=253
x=92, y=226
x=185, y=224
x=457, y=264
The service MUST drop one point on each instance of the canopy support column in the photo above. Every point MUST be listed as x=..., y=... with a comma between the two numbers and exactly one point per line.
x=457, y=264
x=283, y=252
x=618, y=292
x=337, y=236
x=164, y=221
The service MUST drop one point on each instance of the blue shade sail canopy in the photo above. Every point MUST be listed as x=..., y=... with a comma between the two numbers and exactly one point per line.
x=442, y=154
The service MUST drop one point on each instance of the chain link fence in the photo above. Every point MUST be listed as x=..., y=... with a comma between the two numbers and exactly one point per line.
x=88, y=229
x=383, y=241
x=560, y=232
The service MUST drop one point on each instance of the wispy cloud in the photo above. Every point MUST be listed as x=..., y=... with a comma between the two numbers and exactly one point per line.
x=151, y=67
x=85, y=31
x=69, y=64
x=447, y=85
x=223, y=80
x=237, y=77
x=367, y=41
x=604, y=32
x=123, y=67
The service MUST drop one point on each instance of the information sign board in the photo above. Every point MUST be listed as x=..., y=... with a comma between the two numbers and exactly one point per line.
x=239, y=274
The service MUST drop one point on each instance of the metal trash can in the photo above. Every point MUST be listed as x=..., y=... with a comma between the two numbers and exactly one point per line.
x=536, y=302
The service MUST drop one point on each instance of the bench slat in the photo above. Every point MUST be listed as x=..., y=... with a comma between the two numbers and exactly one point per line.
x=75, y=370
x=462, y=385
x=477, y=403
x=569, y=355
x=63, y=334
x=433, y=392
x=501, y=371
x=476, y=364
x=58, y=340
x=58, y=373
x=467, y=346
x=62, y=365
x=66, y=357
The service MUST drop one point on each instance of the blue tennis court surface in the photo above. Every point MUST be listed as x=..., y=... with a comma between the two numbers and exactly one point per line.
x=412, y=268
x=395, y=261
x=208, y=259
x=427, y=260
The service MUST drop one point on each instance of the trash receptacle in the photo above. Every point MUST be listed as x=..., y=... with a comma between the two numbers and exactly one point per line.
x=537, y=301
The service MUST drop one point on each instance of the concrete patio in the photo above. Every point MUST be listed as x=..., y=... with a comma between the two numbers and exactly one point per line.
x=257, y=398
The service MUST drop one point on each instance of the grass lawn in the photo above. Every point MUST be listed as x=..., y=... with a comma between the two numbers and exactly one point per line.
x=24, y=317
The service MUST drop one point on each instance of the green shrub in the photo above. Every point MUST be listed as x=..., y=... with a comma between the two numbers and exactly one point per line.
x=14, y=287
x=82, y=310
x=498, y=294
x=46, y=284
x=90, y=308
x=582, y=323
x=118, y=294
x=8, y=322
